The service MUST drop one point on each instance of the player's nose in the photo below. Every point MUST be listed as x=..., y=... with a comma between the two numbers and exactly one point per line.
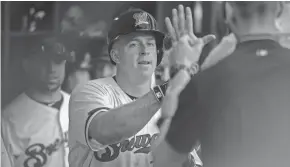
x=143, y=50
x=51, y=66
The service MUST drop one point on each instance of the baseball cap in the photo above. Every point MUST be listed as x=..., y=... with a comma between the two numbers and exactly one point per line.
x=51, y=45
x=134, y=20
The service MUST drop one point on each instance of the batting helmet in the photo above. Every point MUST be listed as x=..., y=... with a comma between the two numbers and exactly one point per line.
x=135, y=20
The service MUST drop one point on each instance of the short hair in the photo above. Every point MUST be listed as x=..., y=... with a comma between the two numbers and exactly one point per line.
x=247, y=9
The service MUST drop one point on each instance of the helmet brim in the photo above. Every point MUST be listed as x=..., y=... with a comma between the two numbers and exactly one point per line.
x=159, y=36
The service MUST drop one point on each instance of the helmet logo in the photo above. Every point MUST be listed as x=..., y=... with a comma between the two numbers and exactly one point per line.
x=141, y=18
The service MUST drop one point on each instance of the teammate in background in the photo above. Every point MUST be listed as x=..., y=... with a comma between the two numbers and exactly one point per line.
x=35, y=123
x=239, y=108
x=5, y=158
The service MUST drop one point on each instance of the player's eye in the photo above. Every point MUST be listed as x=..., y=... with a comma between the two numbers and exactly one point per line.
x=151, y=44
x=133, y=44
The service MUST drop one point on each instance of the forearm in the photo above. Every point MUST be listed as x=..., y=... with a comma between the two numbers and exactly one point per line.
x=125, y=121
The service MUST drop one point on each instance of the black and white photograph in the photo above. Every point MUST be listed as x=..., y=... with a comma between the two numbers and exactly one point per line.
x=145, y=84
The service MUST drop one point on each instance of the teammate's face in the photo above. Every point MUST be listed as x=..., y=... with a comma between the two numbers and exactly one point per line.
x=46, y=72
x=138, y=54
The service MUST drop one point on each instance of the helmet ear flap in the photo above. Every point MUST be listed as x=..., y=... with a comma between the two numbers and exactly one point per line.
x=280, y=8
x=159, y=55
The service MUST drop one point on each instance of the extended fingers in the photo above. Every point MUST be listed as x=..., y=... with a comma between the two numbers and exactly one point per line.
x=170, y=30
x=189, y=22
x=180, y=24
x=181, y=20
x=203, y=41
x=175, y=22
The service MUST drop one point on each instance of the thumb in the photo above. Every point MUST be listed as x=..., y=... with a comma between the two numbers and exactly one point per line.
x=208, y=38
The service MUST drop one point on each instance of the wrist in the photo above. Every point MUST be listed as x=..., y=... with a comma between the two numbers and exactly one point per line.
x=160, y=91
x=190, y=69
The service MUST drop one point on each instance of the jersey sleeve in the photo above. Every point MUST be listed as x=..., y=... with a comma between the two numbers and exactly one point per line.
x=12, y=144
x=5, y=157
x=184, y=129
x=85, y=103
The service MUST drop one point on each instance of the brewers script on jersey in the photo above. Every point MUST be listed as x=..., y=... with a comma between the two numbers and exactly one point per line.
x=102, y=95
x=36, y=134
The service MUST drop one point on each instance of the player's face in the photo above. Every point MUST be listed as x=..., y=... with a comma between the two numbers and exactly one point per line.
x=46, y=72
x=138, y=54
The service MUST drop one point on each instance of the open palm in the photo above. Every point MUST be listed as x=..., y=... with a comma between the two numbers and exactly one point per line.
x=186, y=47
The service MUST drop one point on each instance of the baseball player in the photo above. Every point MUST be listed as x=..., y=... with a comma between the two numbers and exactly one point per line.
x=35, y=123
x=239, y=108
x=112, y=120
x=5, y=158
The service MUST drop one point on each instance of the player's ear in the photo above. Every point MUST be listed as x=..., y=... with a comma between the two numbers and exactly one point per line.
x=114, y=55
x=280, y=8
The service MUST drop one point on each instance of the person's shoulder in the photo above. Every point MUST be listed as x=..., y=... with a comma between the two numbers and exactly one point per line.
x=95, y=87
x=276, y=53
x=284, y=47
x=16, y=104
x=284, y=40
x=94, y=84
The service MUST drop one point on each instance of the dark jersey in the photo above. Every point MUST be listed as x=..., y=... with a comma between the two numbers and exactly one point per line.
x=239, y=109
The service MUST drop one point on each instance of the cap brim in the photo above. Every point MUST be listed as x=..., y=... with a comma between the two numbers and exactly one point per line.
x=64, y=56
x=159, y=36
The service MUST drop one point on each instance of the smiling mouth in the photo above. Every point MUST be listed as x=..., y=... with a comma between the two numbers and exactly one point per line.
x=144, y=62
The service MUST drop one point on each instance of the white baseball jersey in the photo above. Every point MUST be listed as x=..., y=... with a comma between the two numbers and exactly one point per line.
x=86, y=102
x=36, y=134
x=5, y=158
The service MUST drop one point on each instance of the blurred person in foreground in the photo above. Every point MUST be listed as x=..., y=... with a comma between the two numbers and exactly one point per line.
x=283, y=24
x=35, y=124
x=239, y=108
x=229, y=42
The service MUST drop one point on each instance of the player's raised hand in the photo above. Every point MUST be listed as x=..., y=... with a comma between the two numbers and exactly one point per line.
x=181, y=23
x=180, y=29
